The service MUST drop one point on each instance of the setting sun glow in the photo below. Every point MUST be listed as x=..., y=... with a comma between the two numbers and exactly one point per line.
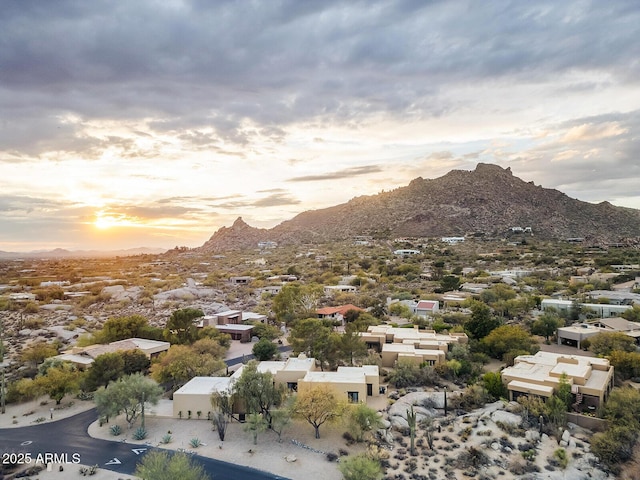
x=105, y=221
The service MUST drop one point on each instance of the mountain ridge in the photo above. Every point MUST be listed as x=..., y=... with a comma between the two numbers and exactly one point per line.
x=487, y=201
x=63, y=253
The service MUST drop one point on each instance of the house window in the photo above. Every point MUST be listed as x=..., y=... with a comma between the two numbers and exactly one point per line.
x=292, y=386
x=353, y=397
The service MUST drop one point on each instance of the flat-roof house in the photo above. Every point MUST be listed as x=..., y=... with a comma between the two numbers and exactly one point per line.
x=195, y=395
x=240, y=280
x=333, y=289
x=353, y=384
x=410, y=344
x=575, y=334
x=84, y=356
x=591, y=379
x=228, y=317
x=237, y=332
x=602, y=310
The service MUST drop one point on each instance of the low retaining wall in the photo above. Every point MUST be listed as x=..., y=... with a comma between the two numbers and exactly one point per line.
x=591, y=423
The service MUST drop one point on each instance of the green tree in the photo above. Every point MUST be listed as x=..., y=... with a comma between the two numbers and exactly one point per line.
x=159, y=465
x=264, y=349
x=264, y=330
x=351, y=346
x=556, y=411
x=563, y=392
x=134, y=361
x=313, y=338
x=361, y=420
x=280, y=419
x=626, y=364
x=604, y=343
x=614, y=446
x=104, y=369
x=623, y=407
x=209, y=346
x=296, y=301
x=632, y=314
x=181, y=327
x=37, y=352
x=546, y=325
x=258, y=390
x=508, y=338
x=181, y=363
x=317, y=405
x=121, y=328
x=127, y=395
x=493, y=384
x=360, y=467
x=255, y=424
x=362, y=323
x=481, y=322
x=59, y=381
x=449, y=283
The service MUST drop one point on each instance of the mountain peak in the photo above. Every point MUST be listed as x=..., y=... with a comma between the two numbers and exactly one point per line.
x=488, y=202
x=239, y=223
x=492, y=169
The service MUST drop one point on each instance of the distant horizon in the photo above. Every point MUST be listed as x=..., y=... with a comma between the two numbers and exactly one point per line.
x=156, y=124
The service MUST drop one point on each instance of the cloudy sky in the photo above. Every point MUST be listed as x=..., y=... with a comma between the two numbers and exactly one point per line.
x=155, y=122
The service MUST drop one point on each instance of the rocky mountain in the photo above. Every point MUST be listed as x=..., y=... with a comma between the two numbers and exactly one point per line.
x=488, y=201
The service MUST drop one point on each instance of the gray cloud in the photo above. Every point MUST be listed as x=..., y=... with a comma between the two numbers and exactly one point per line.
x=345, y=173
x=193, y=64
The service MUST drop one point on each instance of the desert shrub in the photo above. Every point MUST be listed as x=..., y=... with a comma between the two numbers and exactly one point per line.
x=195, y=442
x=166, y=439
x=561, y=456
x=115, y=430
x=331, y=457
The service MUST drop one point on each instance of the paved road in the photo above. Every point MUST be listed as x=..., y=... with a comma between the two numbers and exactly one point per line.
x=69, y=438
x=245, y=358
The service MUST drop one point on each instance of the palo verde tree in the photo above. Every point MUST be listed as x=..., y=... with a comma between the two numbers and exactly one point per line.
x=258, y=390
x=317, y=405
x=604, y=343
x=127, y=395
x=361, y=420
x=296, y=301
x=181, y=363
x=38, y=352
x=58, y=381
x=121, y=328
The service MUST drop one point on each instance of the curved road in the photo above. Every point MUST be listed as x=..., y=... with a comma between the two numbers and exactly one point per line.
x=69, y=438
x=67, y=441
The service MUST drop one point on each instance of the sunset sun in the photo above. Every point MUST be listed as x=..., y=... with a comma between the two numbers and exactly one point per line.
x=104, y=221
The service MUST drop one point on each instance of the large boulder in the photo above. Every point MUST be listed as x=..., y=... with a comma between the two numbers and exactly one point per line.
x=506, y=417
